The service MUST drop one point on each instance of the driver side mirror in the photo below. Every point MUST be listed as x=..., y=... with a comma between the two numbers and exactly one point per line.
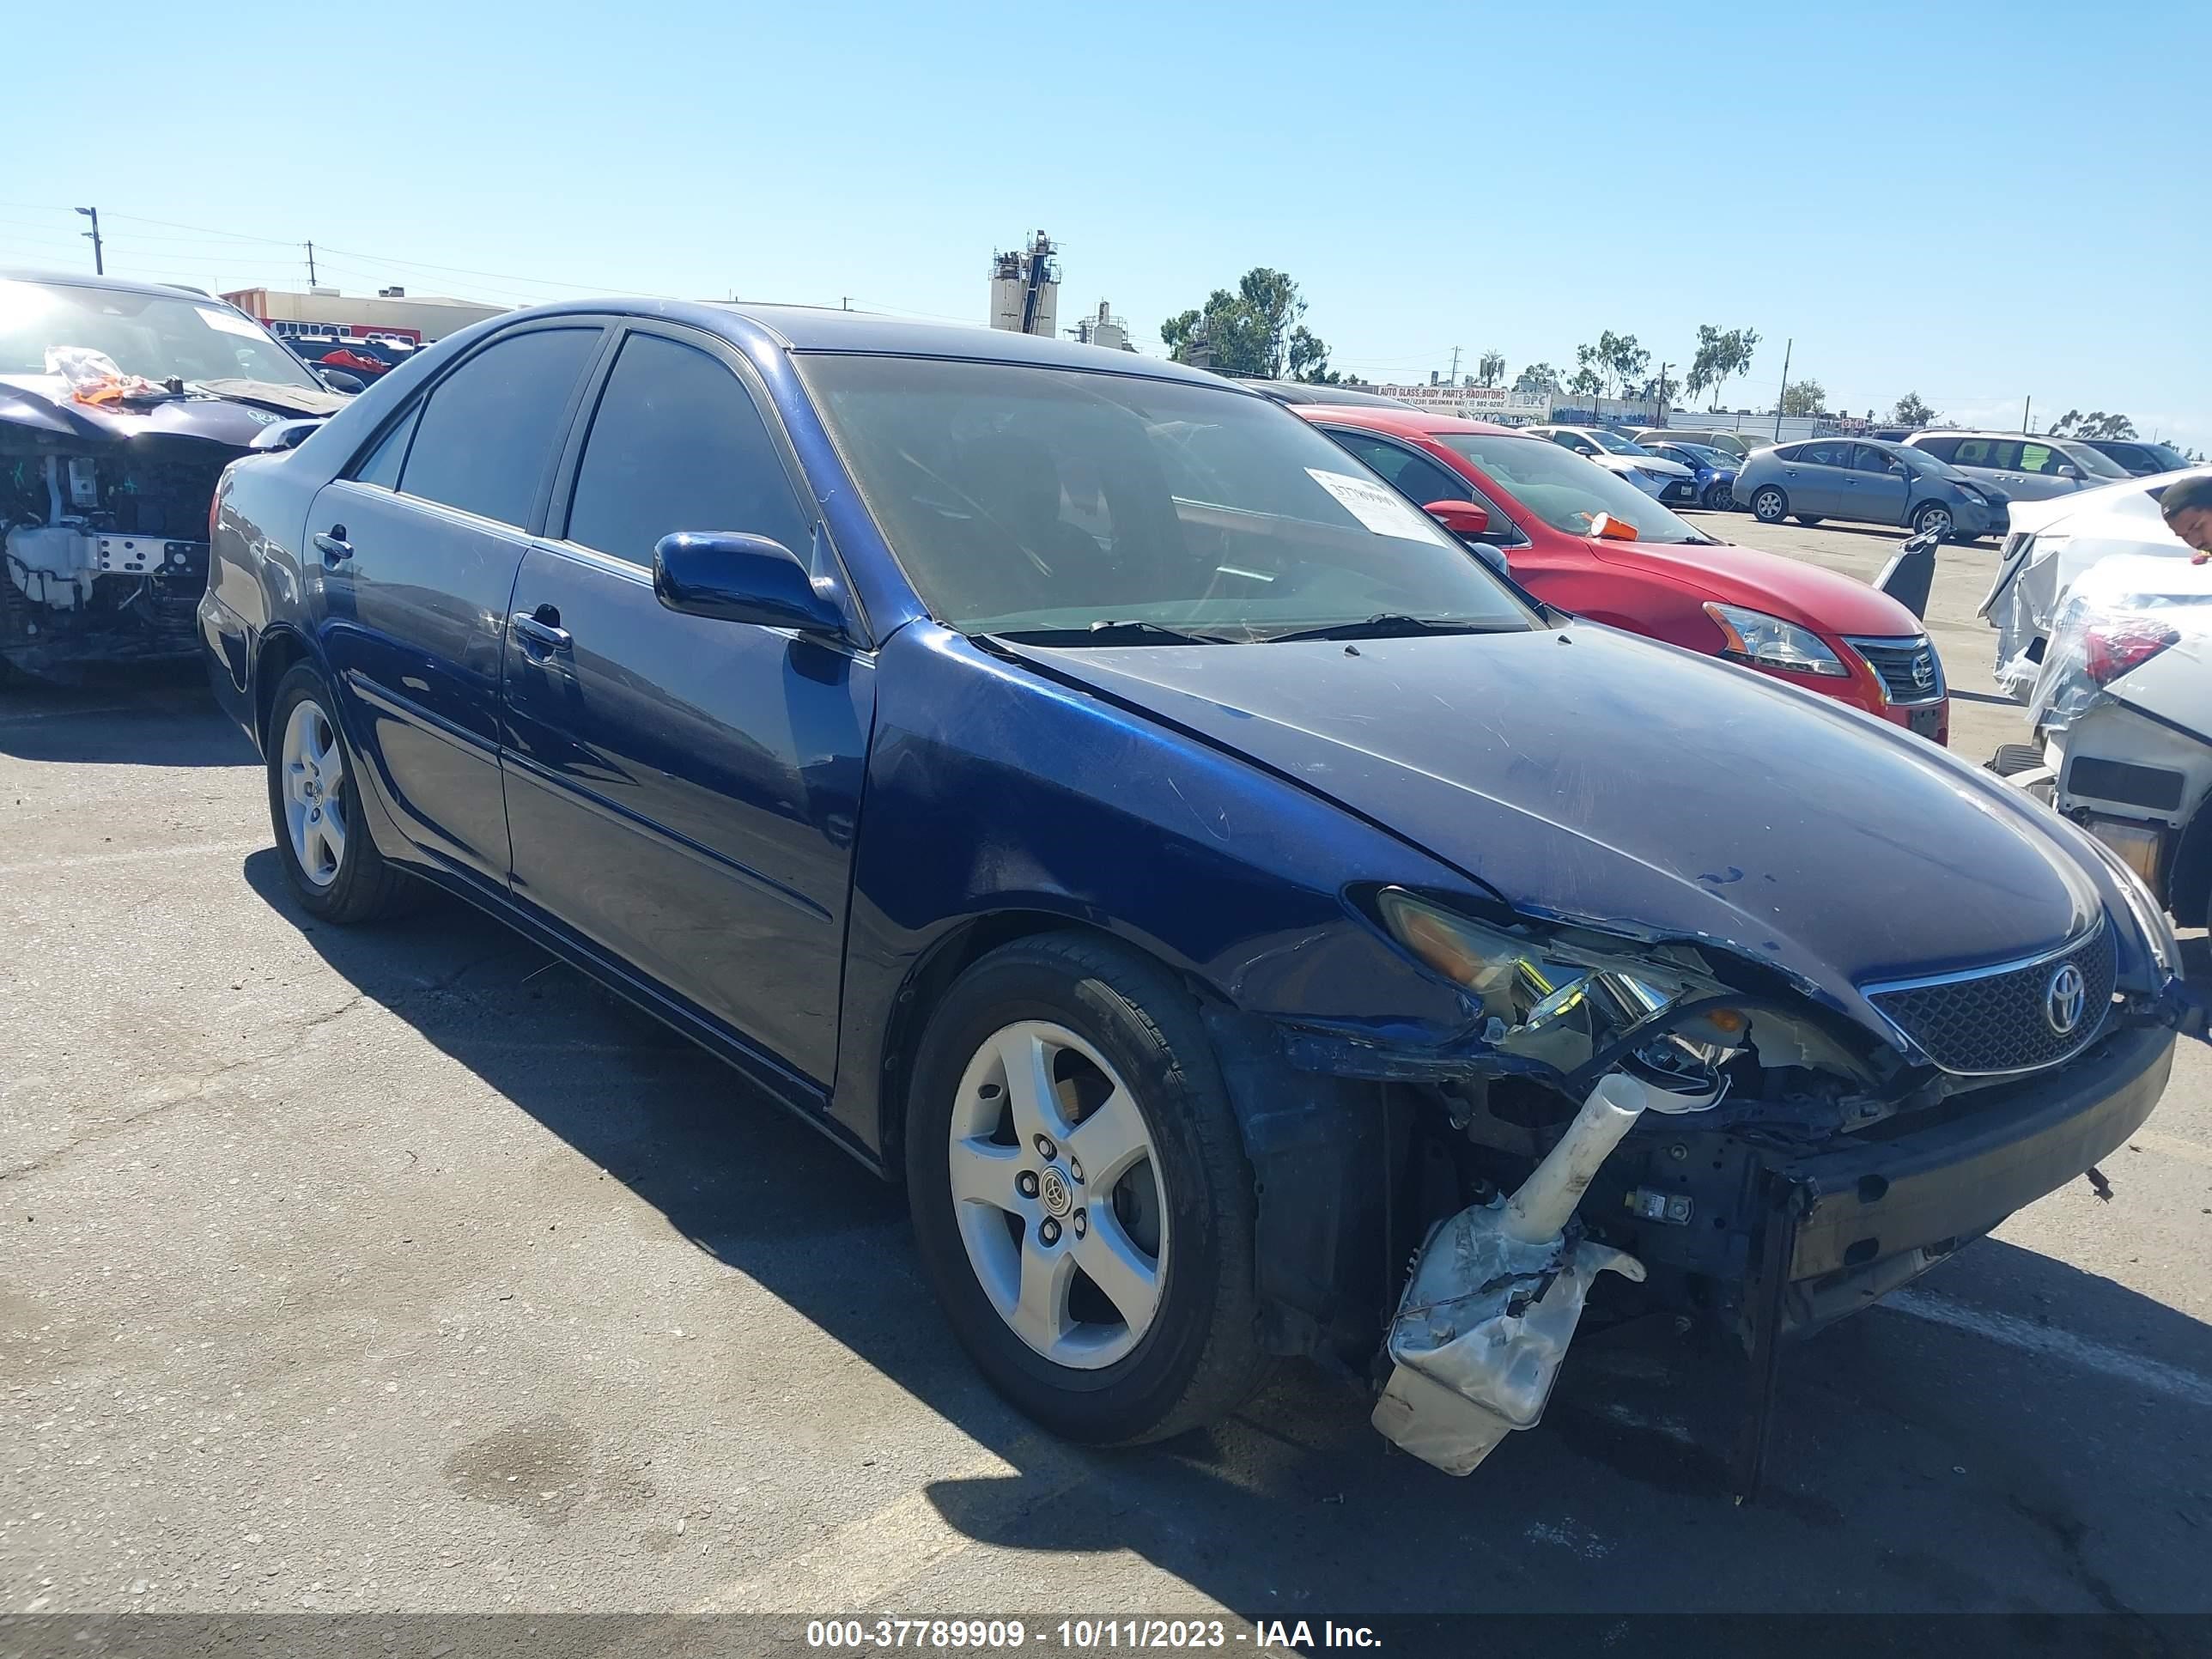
x=735, y=577
x=2072, y=474
x=1463, y=519
x=339, y=381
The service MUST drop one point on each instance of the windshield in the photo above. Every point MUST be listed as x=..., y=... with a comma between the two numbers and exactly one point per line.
x=1921, y=462
x=2168, y=457
x=160, y=337
x=1564, y=491
x=2094, y=463
x=1613, y=442
x=1028, y=499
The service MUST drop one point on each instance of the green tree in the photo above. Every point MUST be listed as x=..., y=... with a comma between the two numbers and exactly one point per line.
x=1720, y=357
x=1804, y=397
x=2095, y=424
x=1537, y=377
x=1491, y=370
x=1911, y=410
x=1588, y=381
x=1257, y=329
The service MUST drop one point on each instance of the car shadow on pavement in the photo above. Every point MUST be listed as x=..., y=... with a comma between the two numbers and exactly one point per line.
x=141, y=717
x=2023, y=1439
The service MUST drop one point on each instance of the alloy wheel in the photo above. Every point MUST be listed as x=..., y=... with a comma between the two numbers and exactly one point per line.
x=1767, y=505
x=316, y=806
x=1057, y=1194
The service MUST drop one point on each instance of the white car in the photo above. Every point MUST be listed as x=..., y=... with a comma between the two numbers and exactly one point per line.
x=2051, y=544
x=1665, y=480
x=2122, y=707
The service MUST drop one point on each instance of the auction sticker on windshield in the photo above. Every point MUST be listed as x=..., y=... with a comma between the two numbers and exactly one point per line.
x=229, y=321
x=1376, y=506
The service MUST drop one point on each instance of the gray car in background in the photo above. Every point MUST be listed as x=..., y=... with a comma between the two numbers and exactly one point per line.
x=1868, y=482
x=2025, y=469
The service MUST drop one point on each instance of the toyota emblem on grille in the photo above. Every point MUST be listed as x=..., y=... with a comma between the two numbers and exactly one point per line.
x=1923, y=672
x=2064, y=998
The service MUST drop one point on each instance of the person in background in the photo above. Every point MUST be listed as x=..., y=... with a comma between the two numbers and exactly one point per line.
x=2187, y=508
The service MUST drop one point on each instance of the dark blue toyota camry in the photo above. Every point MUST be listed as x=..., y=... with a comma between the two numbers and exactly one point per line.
x=1091, y=797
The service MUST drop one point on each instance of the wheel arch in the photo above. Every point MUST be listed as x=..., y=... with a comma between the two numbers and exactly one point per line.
x=282, y=648
x=1319, y=1145
x=933, y=974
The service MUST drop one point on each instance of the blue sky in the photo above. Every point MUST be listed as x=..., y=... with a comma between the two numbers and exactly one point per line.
x=1980, y=203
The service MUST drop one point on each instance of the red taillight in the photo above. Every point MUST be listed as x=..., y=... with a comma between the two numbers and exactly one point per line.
x=2110, y=649
x=215, y=511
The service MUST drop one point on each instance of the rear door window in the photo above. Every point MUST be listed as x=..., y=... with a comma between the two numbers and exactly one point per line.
x=678, y=444
x=1973, y=452
x=1827, y=452
x=489, y=430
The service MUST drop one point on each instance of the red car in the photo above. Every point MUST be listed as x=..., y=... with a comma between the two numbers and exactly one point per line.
x=1584, y=539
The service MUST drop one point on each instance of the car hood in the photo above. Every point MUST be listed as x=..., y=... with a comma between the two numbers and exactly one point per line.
x=230, y=412
x=1581, y=774
x=1658, y=463
x=1804, y=594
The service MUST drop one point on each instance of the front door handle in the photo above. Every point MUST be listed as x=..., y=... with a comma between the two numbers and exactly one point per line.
x=332, y=544
x=540, y=628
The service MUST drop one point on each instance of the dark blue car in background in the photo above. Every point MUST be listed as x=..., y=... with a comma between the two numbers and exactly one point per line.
x=1088, y=795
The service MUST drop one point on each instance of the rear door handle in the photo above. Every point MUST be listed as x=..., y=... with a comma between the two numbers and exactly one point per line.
x=332, y=544
x=544, y=632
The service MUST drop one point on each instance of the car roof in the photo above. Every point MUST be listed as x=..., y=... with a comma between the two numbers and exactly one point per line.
x=82, y=279
x=1310, y=392
x=827, y=329
x=1407, y=423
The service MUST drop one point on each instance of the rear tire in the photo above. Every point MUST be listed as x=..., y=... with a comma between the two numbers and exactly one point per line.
x=1769, y=505
x=1164, y=1337
x=1718, y=499
x=315, y=805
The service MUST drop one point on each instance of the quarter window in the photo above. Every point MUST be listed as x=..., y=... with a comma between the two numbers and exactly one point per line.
x=489, y=430
x=678, y=444
x=382, y=466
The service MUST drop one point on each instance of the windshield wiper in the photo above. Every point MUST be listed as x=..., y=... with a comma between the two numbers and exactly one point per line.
x=1129, y=632
x=1390, y=625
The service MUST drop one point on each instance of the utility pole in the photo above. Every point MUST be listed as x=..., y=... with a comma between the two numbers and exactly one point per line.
x=1782, y=395
x=845, y=303
x=1453, y=378
x=99, y=255
x=311, y=264
x=1659, y=408
x=2026, y=404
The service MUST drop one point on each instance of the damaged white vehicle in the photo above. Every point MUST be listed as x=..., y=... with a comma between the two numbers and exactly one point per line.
x=2122, y=708
x=2051, y=544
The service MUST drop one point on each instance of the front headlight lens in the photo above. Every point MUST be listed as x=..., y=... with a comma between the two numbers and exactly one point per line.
x=1773, y=643
x=1973, y=495
x=1558, y=1001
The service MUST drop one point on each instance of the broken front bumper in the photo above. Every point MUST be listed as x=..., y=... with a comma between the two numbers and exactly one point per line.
x=1878, y=1211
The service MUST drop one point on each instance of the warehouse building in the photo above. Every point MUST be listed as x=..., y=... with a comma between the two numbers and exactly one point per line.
x=324, y=314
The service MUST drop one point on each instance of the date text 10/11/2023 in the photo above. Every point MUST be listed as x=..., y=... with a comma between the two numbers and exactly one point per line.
x=1081, y=1635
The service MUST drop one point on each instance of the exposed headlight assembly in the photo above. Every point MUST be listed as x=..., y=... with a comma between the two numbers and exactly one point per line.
x=1564, y=1000
x=1754, y=636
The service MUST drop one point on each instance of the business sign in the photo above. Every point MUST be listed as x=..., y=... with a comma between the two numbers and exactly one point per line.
x=1478, y=403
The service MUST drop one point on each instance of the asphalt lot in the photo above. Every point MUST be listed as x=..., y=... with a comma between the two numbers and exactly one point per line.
x=401, y=1269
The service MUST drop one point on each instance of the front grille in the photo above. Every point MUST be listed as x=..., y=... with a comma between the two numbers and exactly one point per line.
x=1909, y=669
x=1999, y=1020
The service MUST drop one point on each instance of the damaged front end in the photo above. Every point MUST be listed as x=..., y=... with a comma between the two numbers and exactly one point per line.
x=1676, y=1116
x=107, y=476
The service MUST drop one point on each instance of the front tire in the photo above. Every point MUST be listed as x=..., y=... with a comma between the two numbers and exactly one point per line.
x=1769, y=505
x=1080, y=1194
x=1936, y=517
x=1718, y=499
x=314, y=806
